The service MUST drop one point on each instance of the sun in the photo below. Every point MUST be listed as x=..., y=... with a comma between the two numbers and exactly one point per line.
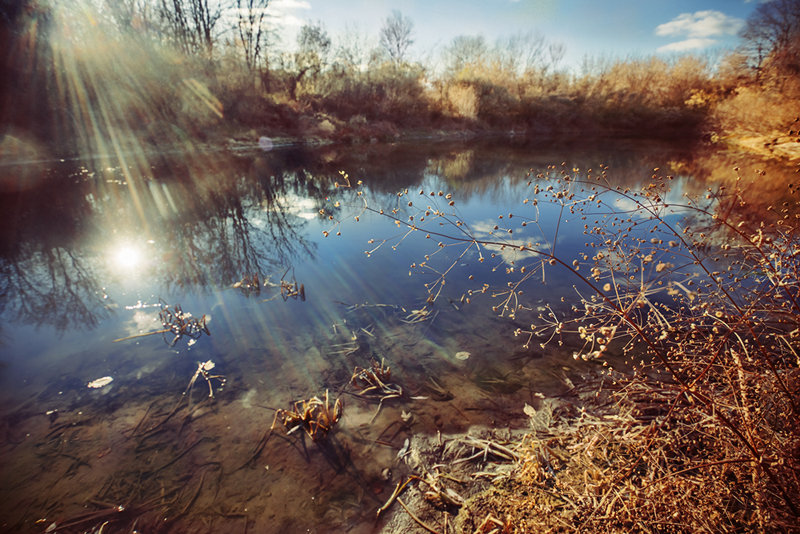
x=127, y=257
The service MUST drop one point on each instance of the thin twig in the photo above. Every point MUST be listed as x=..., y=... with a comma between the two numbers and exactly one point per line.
x=417, y=519
x=164, y=331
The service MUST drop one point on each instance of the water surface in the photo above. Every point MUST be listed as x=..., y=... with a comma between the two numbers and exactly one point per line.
x=94, y=250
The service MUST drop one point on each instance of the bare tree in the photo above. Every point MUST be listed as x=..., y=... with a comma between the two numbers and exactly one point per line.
x=190, y=24
x=522, y=52
x=130, y=15
x=174, y=19
x=774, y=27
x=251, y=28
x=313, y=47
x=395, y=36
x=204, y=16
x=355, y=49
x=465, y=50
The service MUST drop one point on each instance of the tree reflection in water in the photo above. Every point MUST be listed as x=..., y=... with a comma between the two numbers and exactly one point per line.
x=188, y=230
x=208, y=219
x=45, y=276
x=60, y=243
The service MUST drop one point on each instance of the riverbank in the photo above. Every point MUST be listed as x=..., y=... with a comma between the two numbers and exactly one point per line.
x=601, y=457
x=674, y=444
x=786, y=147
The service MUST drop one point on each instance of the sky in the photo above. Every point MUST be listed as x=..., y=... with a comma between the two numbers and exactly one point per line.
x=593, y=28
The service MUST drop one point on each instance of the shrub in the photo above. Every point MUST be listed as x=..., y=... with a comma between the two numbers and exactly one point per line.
x=705, y=309
x=462, y=100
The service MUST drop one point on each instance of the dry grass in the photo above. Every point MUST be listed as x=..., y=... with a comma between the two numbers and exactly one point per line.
x=752, y=110
x=517, y=84
x=699, y=303
x=715, y=366
x=615, y=467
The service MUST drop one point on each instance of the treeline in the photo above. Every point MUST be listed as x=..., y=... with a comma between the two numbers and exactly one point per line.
x=89, y=70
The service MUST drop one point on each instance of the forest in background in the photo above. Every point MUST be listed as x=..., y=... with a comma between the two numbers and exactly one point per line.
x=85, y=74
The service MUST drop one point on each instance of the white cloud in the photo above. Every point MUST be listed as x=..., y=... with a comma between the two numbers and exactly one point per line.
x=282, y=12
x=697, y=28
x=510, y=254
x=687, y=44
x=701, y=24
x=283, y=5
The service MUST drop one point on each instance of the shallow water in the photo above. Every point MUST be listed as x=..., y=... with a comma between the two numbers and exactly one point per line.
x=96, y=249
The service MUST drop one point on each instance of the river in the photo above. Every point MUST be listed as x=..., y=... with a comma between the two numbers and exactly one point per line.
x=201, y=292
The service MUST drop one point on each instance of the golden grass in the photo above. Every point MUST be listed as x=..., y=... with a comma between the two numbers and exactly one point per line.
x=702, y=432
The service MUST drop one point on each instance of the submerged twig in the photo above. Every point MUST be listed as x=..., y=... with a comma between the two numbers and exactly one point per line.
x=419, y=521
x=144, y=334
x=178, y=322
x=398, y=489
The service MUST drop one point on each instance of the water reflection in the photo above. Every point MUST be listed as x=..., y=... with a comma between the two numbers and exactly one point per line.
x=62, y=243
x=126, y=257
x=87, y=253
x=51, y=285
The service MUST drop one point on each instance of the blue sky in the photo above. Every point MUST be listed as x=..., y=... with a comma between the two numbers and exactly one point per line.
x=596, y=28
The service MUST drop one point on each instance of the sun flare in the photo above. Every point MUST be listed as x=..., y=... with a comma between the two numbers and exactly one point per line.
x=126, y=257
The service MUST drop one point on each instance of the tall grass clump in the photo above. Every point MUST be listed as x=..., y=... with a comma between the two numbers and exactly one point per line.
x=693, y=312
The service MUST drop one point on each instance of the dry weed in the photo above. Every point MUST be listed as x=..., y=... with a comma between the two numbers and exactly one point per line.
x=702, y=432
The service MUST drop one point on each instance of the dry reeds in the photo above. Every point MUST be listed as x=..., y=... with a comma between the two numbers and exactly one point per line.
x=315, y=416
x=704, y=307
